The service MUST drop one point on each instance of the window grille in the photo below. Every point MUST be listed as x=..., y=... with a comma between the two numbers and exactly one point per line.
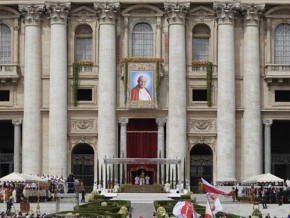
x=5, y=44
x=84, y=49
x=282, y=44
x=142, y=38
x=200, y=50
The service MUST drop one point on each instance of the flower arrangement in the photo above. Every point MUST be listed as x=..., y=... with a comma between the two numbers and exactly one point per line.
x=257, y=212
x=86, y=63
x=199, y=63
x=141, y=60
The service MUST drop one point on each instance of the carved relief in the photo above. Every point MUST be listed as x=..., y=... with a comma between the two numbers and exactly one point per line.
x=176, y=12
x=17, y=122
x=225, y=11
x=84, y=14
x=107, y=12
x=198, y=126
x=83, y=140
x=209, y=140
x=58, y=12
x=83, y=126
x=31, y=13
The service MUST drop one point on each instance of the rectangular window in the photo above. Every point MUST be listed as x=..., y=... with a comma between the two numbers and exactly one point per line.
x=85, y=94
x=83, y=49
x=4, y=95
x=199, y=95
x=282, y=95
x=200, y=48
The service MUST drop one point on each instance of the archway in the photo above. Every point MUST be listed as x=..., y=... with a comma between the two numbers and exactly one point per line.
x=201, y=163
x=83, y=164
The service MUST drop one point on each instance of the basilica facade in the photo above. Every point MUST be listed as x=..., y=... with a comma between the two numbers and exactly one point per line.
x=202, y=82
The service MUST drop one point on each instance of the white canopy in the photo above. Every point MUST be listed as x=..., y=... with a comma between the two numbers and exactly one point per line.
x=268, y=177
x=20, y=177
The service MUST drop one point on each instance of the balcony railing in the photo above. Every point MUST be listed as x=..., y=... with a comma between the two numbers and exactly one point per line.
x=9, y=72
x=277, y=73
x=201, y=69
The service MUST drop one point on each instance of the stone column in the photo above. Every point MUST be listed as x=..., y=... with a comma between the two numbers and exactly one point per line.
x=226, y=126
x=176, y=13
x=17, y=144
x=252, y=134
x=160, y=145
x=107, y=123
x=123, y=145
x=267, y=141
x=32, y=145
x=58, y=88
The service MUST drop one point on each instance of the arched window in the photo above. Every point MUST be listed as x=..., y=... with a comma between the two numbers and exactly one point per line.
x=282, y=44
x=84, y=39
x=200, y=43
x=142, y=38
x=5, y=44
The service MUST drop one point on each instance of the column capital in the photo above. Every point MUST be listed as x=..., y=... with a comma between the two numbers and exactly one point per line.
x=176, y=12
x=123, y=121
x=107, y=12
x=268, y=122
x=225, y=11
x=58, y=12
x=252, y=13
x=161, y=121
x=31, y=13
x=17, y=122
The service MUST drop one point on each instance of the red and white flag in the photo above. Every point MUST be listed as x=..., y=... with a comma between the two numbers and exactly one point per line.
x=217, y=206
x=208, y=212
x=185, y=209
x=211, y=189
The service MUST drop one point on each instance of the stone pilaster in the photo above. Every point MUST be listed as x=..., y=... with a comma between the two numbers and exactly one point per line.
x=32, y=128
x=17, y=144
x=123, y=145
x=160, y=145
x=176, y=13
x=107, y=123
x=226, y=126
x=267, y=139
x=252, y=134
x=58, y=88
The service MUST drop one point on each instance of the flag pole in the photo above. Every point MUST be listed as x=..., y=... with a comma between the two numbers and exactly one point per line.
x=209, y=205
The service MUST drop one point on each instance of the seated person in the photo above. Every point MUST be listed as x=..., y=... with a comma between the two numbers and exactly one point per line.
x=147, y=180
x=137, y=180
x=142, y=178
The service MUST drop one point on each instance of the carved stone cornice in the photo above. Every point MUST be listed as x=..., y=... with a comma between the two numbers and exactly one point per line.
x=225, y=11
x=17, y=122
x=58, y=12
x=107, y=12
x=268, y=122
x=31, y=13
x=176, y=12
x=252, y=13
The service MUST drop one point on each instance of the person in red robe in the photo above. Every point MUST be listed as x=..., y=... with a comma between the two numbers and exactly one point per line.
x=140, y=92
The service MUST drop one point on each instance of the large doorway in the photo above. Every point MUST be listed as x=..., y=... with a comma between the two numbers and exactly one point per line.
x=201, y=163
x=280, y=149
x=142, y=143
x=83, y=164
x=6, y=147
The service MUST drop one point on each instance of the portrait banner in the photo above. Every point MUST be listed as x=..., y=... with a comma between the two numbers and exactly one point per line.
x=141, y=86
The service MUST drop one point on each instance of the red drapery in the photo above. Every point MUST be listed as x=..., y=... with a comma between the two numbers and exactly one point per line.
x=142, y=143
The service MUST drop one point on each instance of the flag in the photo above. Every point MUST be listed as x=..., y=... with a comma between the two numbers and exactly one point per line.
x=208, y=212
x=210, y=188
x=212, y=195
x=184, y=209
x=217, y=206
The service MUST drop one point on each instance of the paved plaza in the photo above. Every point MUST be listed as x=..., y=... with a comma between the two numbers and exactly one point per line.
x=142, y=205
